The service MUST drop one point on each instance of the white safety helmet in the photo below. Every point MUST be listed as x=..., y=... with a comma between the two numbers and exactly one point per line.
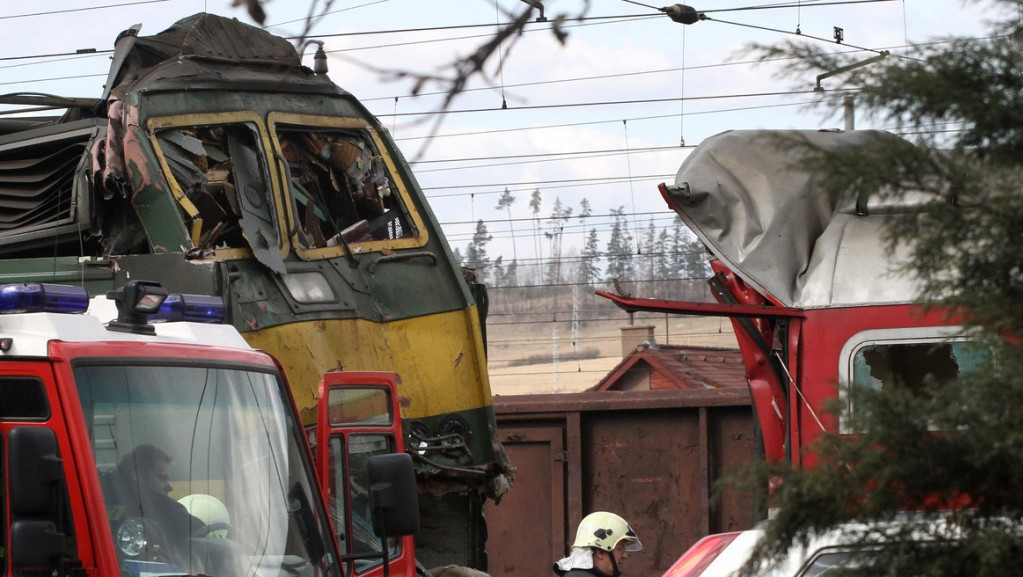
x=605, y=530
x=209, y=510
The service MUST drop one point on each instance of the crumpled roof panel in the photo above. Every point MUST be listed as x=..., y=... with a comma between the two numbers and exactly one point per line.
x=748, y=198
x=211, y=36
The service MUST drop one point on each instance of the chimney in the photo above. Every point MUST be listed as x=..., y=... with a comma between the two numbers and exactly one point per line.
x=633, y=336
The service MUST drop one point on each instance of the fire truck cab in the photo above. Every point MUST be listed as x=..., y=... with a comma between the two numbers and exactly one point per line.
x=142, y=438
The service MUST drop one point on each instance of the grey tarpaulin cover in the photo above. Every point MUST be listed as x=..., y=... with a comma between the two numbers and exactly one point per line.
x=751, y=200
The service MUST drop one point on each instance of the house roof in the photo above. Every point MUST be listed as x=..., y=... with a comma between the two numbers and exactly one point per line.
x=680, y=366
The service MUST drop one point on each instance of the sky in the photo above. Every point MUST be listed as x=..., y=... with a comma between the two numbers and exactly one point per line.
x=602, y=117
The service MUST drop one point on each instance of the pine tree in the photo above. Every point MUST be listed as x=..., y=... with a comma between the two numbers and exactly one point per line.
x=535, y=203
x=505, y=202
x=560, y=214
x=589, y=259
x=500, y=278
x=585, y=211
x=697, y=266
x=679, y=250
x=664, y=269
x=620, y=262
x=476, y=252
x=650, y=251
x=511, y=274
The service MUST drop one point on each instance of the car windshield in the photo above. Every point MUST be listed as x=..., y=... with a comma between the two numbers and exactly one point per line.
x=202, y=471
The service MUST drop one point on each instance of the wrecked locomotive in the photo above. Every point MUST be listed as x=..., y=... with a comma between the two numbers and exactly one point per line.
x=216, y=163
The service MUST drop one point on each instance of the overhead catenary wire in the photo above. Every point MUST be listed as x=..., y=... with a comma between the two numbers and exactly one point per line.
x=82, y=9
x=618, y=102
x=594, y=122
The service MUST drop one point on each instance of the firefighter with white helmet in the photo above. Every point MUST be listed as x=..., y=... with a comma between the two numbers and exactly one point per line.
x=211, y=511
x=602, y=541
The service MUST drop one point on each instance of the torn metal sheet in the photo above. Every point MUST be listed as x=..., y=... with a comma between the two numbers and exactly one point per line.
x=757, y=209
x=257, y=207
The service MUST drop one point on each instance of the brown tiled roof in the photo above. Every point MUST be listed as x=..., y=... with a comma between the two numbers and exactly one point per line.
x=681, y=366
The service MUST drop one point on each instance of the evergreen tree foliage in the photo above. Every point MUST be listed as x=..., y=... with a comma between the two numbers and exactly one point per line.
x=695, y=263
x=679, y=250
x=560, y=215
x=499, y=274
x=505, y=202
x=589, y=259
x=664, y=267
x=535, y=203
x=585, y=210
x=649, y=252
x=620, y=261
x=961, y=103
x=476, y=253
x=511, y=274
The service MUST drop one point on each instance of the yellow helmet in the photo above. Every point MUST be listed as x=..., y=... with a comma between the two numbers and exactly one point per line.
x=605, y=530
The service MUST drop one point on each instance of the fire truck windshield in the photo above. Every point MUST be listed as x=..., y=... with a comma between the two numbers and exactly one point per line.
x=202, y=471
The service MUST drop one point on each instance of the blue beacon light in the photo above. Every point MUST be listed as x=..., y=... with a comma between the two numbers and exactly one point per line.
x=191, y=308
x=43, y=297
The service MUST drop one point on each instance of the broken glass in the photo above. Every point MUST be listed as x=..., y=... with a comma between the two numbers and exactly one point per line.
x=341, y=189
x=220, y=170
x=916, y=366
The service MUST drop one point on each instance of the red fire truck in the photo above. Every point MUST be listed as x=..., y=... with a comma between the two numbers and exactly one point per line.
x=142, y=438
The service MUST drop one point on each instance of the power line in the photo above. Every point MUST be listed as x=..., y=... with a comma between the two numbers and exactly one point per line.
x=536, y=183
x=571, y=22
x=800, y=34
x=609, y=121
x=86, y=9
x=543, y=26
x=804, y=4
x=610, y=103
x=322, y=14
x=534, y=158
x=80, y=53
x=53, y=79
x=587, y=78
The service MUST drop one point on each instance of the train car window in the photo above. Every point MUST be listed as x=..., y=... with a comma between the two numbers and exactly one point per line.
x=219, y=169
x=900, y=358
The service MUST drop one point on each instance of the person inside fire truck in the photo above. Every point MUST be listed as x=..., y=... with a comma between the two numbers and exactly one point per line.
x=141, y=491
x=602, y=541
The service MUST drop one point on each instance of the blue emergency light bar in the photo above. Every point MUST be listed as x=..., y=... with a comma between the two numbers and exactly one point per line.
x=43, y=297
x=191, y=308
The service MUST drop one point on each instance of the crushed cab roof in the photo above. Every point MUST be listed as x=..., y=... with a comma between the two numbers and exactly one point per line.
x=756, y=206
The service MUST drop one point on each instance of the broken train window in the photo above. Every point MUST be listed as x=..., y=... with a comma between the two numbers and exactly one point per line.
x=219, y=168
x=906, y=360
x=341, y=188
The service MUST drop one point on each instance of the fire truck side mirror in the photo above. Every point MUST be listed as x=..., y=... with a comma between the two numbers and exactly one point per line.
x=393, y=495
x=35, y=543
x=36, y=480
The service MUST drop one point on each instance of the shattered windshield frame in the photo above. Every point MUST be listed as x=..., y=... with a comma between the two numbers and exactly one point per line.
x=217, y=169
x=331, y=185
x=372, y=209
